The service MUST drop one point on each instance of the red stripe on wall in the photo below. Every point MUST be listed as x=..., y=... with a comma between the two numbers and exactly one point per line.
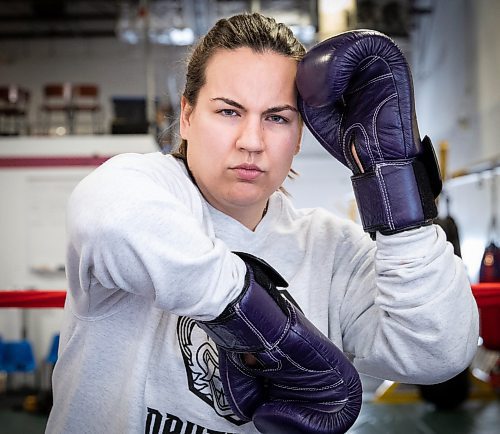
x=57, y=161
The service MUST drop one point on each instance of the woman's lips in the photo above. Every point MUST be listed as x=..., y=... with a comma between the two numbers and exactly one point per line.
x=247, y=172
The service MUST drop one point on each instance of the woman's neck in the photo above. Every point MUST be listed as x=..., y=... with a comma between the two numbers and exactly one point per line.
x=250, y=218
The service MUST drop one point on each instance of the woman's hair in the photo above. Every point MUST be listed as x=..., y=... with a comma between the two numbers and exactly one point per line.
x=253, y=31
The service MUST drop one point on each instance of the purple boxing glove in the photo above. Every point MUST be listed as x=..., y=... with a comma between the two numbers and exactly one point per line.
x=301, y=382
x=356, y=97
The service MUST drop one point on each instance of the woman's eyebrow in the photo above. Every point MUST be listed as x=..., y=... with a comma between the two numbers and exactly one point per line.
x=270, y=110
x=280, y=108
x=228, y=101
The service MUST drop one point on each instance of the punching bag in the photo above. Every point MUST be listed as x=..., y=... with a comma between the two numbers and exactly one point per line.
x=490, y=272
x=490, y=264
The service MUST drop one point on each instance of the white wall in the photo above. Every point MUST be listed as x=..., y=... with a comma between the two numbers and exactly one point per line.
x=32, y=222
x=445, y=79
x=456, y=69
x=487, y=18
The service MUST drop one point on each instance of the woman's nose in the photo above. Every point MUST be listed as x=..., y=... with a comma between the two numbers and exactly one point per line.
x=251, y=136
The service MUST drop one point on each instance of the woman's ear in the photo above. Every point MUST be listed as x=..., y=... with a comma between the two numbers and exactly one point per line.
x=184, y=121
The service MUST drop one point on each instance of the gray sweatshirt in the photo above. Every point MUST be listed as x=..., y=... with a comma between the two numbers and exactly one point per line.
x=147, y=255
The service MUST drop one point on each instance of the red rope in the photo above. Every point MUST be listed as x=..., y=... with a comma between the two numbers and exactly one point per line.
x=486, y=294
x=32, y=298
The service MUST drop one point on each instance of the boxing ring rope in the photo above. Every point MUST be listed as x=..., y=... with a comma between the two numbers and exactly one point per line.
x=486, y=295
x=28, y=299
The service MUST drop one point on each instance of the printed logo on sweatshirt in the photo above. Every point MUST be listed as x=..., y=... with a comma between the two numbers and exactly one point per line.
x=201, y=363
x=157, y=423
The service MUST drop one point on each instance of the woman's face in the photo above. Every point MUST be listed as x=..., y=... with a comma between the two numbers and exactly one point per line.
x=243, y=131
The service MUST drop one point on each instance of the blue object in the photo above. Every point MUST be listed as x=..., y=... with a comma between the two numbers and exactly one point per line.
x=52, y=356
x=17, y=356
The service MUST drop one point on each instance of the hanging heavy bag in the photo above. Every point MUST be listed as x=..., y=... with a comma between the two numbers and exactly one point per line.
x=490, y=264
x=450, y=227
x=489, y=272
x=489, y=316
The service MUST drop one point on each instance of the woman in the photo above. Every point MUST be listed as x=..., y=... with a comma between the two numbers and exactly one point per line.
x=149, y=253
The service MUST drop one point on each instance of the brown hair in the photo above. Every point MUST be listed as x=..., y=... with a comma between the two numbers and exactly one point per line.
x=254, y=31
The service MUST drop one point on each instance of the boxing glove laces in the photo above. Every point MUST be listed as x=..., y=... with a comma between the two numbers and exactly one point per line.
x=300, y=381
x=356, y=98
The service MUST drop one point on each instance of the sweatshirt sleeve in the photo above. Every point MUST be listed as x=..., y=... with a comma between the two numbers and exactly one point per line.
x=131, y=230
x=408, y=313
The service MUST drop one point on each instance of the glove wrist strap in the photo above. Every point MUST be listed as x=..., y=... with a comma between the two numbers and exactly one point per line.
x=395, y=196
x=258, y=318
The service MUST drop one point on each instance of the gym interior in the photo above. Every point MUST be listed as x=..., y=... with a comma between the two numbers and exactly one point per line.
x=84, y=80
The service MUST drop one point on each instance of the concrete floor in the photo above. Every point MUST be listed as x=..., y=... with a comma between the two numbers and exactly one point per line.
x=475, y=416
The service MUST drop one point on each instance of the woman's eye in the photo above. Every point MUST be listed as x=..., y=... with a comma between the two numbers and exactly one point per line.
x=278, y=119
x=227, y=112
